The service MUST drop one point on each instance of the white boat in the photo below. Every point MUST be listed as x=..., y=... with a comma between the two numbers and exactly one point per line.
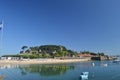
x=84, y=75
x=116, y=61
x=105, y=65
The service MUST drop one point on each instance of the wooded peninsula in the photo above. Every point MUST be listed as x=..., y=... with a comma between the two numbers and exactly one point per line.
x=56, y=51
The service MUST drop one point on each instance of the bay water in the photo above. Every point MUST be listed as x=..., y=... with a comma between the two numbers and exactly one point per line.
x=101, y=70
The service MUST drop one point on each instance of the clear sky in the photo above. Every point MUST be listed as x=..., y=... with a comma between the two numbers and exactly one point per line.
x=91, y=25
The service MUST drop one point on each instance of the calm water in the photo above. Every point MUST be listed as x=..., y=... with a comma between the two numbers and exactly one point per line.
x=69, y=71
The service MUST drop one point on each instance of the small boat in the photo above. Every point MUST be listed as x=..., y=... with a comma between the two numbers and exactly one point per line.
x=105, y=65
x=116, y=61
x=84, y=75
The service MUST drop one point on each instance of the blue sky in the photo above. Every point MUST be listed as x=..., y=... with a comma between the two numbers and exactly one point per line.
x=91, y=25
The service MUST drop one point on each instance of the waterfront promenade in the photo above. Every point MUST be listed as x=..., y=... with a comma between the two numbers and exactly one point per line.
x=42, y=61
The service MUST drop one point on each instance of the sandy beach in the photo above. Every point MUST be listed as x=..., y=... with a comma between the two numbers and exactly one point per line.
x=41, y=61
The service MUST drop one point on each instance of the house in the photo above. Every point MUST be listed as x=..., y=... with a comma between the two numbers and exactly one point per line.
x=10, y=58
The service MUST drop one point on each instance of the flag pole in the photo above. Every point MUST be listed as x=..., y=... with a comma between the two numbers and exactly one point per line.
x=1, y=36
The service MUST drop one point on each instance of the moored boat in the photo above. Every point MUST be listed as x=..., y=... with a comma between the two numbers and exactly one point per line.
x=116, y=61
x=84, y=75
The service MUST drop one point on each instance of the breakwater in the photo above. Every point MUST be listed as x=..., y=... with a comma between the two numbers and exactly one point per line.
x=101, y=58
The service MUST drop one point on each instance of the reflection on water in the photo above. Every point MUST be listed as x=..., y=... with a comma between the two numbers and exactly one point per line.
x=13, y=72
x=71, y=71
x=8, y=66
x=45, y=70
x=4, y=68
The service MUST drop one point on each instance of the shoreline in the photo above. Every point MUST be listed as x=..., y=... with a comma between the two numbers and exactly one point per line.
x=42, y=61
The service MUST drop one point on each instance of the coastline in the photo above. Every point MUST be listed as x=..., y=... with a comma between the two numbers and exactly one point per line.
x=42, y=61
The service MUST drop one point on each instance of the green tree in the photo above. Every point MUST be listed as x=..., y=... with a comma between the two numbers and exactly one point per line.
x=101, y=54
x=56, y=55
x=45, y=55
x=23, y=48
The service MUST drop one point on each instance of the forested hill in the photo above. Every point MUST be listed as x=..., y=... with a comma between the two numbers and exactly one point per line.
x=48, y=51
x=51, y=51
